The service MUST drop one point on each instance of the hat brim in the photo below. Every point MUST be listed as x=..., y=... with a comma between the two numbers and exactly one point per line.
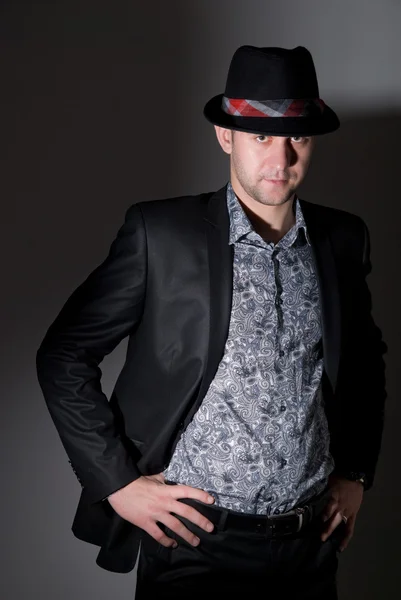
x=280, y=126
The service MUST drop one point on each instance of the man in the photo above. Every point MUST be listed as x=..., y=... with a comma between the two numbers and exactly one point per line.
x=247, y=419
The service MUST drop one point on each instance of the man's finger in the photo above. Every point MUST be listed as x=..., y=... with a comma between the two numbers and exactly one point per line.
x=190, y=514
x=330, y=509
x=186, y=491
x=158, y=534
x=332, y=524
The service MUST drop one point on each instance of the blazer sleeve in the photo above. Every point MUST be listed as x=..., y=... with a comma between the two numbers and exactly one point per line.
x=103, y=310
x=362, y=389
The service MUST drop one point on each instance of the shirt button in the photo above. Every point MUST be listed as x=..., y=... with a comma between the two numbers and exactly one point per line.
x=282, y=408
x=276, y=511
x=281, y=353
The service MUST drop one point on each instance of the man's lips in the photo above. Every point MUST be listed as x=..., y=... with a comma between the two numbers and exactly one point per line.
x=277, y=181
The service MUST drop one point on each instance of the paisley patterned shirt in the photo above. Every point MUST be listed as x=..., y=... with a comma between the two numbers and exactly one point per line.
x=259, y=442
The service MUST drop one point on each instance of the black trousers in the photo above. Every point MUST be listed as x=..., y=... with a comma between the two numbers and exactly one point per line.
x=232, y=564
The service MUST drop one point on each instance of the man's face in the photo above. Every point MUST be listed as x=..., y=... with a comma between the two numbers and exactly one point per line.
x=267, y=168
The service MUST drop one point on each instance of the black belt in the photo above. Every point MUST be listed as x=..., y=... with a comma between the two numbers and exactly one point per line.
x=289, y=523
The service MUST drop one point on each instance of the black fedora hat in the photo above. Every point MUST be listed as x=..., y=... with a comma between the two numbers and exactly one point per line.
x=272, y=91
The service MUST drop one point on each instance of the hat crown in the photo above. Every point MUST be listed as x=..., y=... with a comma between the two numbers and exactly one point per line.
x=271, y=73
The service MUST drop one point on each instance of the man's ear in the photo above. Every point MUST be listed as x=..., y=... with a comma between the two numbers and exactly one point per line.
x=225, y=138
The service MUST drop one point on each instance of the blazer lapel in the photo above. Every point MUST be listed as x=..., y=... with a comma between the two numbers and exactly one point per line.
x=328, y=286
x=220, y=255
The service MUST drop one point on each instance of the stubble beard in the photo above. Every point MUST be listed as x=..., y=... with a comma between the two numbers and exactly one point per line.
x=256, y=192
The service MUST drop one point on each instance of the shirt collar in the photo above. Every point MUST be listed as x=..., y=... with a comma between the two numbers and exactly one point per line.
x=240, y=225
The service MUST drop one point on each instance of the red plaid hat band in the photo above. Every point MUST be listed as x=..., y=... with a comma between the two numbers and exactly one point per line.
x=284, y=107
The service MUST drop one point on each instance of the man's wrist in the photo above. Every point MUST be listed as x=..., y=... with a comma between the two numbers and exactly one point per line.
x=356, y=476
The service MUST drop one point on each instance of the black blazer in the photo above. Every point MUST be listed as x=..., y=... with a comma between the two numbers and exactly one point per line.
x=167, y=284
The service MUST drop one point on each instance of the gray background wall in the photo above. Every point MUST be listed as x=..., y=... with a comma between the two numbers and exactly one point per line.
x=102, y=107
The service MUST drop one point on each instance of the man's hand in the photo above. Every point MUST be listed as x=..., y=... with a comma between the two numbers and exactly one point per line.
x=149, y=499
x=346, y=499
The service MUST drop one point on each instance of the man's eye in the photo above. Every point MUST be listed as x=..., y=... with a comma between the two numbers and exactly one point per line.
x=297, y=139
x=261, y=136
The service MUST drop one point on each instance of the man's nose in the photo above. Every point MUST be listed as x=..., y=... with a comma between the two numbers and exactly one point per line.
x=281, y=153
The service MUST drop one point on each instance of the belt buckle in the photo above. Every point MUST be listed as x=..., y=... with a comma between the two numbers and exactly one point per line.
x=271, y=526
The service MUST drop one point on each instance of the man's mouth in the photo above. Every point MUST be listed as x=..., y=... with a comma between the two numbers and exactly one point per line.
x=277, y=181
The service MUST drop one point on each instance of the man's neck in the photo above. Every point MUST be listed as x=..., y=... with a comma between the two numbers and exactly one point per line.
x=270, y=222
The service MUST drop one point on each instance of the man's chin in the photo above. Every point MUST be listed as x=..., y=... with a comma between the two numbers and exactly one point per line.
x=276, y=191
x=274, y=198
